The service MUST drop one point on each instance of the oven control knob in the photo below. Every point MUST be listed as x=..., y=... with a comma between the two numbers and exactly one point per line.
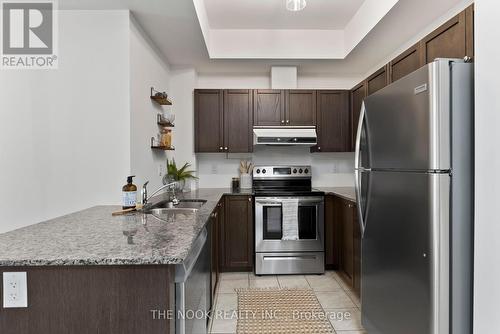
x=263, y=171
x=258, y=171
x=306, y=170
x=300, y=171
x=295, y=171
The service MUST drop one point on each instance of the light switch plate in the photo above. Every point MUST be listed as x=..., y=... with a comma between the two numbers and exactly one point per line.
x=15, y=289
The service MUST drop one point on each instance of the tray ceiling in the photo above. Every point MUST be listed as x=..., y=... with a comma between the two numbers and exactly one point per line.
x=258, y=29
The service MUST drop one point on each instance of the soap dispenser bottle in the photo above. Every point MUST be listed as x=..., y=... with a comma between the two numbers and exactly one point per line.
x=129, y=194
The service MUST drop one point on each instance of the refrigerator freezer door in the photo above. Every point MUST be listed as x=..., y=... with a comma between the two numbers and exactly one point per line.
x=408, y=122
x=405, y=252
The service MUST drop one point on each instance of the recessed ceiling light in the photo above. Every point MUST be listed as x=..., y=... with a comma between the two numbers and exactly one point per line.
x=295, y=5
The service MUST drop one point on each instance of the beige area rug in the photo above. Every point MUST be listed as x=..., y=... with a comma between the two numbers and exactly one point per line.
x=280, y=311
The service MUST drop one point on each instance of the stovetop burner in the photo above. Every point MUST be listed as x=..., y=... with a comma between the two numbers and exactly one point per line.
x=283, y=181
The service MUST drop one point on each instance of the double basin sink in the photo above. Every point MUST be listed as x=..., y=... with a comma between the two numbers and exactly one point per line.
x=185, y=206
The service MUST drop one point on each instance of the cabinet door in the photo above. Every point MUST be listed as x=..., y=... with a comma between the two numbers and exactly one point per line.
x=347, y=241
x=300, y=107
x=208, y=110
x=214, y=236
x=332, y=234
x=238, y=121
x=405, y=63
x=221, y=235
x=358, y=94
x=377, y=80
x=448, y=41
x=357, y=250
x=469, y=31
x=238, y=233
x=269, y=107
x=333, y=121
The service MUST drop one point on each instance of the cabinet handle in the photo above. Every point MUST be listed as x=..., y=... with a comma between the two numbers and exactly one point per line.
x=225, y=148
x=287, y=121
x=319, y=148
x=221, y=148
x=282, y=121
x=249, y=199
x=213, y=215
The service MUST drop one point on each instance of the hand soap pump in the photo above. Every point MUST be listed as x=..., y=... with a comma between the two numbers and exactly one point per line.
x=129, y=194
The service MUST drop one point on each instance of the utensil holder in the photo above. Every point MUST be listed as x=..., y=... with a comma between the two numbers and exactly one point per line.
x=245, y=181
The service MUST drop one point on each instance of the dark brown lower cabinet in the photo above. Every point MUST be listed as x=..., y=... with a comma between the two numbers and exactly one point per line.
x=343, y=240
x=332, y=233
x=215, y=220
x=236, y=234
x=93, y=299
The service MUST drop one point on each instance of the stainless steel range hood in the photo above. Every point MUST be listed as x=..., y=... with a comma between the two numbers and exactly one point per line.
x=285, y=135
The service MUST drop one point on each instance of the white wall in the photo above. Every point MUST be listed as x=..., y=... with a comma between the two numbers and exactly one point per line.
x=263, y=81
x=183, y=83
x=487, y=179
x=147, y=69
x=64, y=134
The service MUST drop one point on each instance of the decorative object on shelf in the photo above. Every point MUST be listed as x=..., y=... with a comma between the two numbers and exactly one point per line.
x=165, y=120
x=245, y=177
x=179, y=175
x=156, y=144
x=295, y=5
x=166, y=137
x=160, y=97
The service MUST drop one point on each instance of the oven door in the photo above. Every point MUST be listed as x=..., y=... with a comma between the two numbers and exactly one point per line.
x=269, y=225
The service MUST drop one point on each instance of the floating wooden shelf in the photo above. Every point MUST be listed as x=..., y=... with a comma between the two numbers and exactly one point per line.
x=161, y=100
x=164, y=101
x=163, y=148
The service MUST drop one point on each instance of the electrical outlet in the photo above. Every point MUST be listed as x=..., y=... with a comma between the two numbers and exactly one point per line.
x=15, y=290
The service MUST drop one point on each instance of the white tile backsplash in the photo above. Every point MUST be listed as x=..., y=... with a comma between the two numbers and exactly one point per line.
x=329, y=169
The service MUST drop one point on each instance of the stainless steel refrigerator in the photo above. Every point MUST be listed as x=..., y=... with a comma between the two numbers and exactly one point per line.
x=414, y=185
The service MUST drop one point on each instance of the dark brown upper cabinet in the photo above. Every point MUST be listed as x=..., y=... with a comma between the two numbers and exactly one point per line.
x=269, y=107
x=358, y=94
x=300, y=107
x=448, y=41
x=223, y=121
x=333, y=121
x=469, y=31
x=405, y=63
x=377, y=80
x=208, y=110
x=238, y=120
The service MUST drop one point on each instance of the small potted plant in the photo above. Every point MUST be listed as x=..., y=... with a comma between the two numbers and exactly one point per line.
x=178, y=174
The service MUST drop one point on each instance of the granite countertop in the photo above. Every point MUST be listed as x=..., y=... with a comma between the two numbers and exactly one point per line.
x=347, y=193
x=94, y=237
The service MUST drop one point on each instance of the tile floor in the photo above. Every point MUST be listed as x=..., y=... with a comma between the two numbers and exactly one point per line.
x=333, y=294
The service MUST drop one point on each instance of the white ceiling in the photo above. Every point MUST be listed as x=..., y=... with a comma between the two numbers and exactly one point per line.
x=272, y=14
x=271, y=32
x=174, y=28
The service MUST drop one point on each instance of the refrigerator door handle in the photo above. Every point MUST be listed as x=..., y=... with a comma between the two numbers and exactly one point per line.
x=357, y=187
x=357, y=156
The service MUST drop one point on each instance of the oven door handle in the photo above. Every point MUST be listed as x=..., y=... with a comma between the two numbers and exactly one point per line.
x=269, y=203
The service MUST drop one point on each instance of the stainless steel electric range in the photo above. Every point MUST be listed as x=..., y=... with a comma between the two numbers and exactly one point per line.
x=284, y=201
